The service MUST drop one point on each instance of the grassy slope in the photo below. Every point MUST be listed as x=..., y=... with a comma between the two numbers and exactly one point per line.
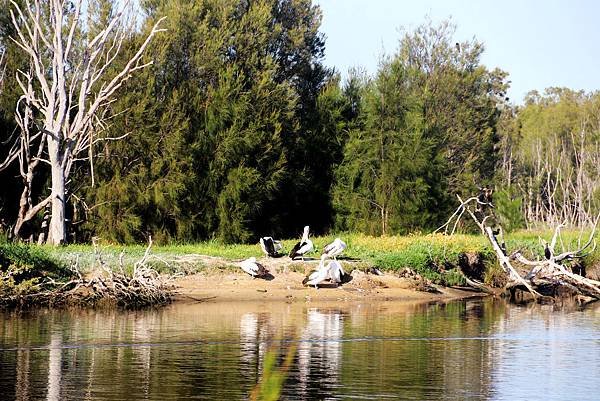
x=22, y=267
x=423, y=253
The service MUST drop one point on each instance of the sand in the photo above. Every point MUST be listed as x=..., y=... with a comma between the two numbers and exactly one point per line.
x=222, y=283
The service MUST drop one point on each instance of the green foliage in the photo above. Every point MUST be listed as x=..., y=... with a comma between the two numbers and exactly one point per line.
x=237, y=202
x=453, y=277
x=461, y=101
x=215, y=126
x=13, y=283
x=494, y=276
x=432, y=259
x=23, y=267
x=509, y=211
x=413, y=258
x=238, y=130
x=27, y=261
x=273, y=377
x=427, y=129
x=380, y=186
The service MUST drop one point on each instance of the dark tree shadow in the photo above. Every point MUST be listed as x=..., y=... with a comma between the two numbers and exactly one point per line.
x=348, y=258
x=306, y=259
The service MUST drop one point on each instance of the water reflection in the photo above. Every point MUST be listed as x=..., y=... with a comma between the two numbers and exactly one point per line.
x=319, y=351
x=54, y=366
x=254, y=336
x=556, y=351
x=476, y=350
x=22, y=373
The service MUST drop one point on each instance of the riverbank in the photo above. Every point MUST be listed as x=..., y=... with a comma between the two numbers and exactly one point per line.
x=284, y=284
x=415, y=267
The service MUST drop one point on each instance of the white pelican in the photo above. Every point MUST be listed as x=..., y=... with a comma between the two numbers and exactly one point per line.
x=332, y=272
x=270, y=246
x=318, y=276
x=253, y=268
x=335, y=248
x=335, y=271
x=303, y=247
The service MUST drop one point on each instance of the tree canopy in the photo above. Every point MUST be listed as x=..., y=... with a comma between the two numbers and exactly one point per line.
x=237, y=129
x=428, y=131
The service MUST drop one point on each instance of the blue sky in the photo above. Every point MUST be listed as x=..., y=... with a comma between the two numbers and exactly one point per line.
x=539, y=43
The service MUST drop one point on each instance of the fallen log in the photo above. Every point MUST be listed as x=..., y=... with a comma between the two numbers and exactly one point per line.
x=554, y=271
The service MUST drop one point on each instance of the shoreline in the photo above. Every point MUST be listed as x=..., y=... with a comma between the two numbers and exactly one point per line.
x=212, y=279
x=285, y=285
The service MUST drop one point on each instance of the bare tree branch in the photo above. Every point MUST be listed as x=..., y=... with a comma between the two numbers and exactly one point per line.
x=548, y=271
x=65, y=95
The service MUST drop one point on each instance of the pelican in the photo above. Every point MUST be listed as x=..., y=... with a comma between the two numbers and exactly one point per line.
x=335, y=271
x=334, y=249
x=253, y=268
x=332, y=272
x=303, y=247
x=318, y=276
x=270, y=246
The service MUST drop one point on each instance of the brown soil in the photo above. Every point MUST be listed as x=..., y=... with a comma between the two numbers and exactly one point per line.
x=218, y=282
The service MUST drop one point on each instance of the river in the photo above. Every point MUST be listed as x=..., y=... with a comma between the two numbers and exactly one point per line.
x=466, y=350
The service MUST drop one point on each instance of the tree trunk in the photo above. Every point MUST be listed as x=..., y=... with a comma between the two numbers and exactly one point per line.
x=23, y=208
x=56, y=230
x=383, y=221
x=70, y=83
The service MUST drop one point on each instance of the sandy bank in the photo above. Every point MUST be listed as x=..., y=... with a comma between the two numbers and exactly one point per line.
x=219, y=284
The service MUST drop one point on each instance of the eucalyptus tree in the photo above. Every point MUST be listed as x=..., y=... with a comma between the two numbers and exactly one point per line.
x=65, y=97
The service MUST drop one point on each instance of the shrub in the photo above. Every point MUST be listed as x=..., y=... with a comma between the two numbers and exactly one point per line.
x=26, y=262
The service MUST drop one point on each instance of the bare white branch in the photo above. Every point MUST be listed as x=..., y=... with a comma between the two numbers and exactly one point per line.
x=71, y=92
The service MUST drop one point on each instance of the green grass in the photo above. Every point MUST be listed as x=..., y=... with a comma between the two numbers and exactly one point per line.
x=432, y=255
x=23, y=268
x=31, y=261
x=392, y=252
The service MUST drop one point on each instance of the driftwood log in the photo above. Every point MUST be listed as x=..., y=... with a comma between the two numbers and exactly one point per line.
x=543, y=279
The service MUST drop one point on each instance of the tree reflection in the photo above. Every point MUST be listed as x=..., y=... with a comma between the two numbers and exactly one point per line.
x=460, y=350
x=254, y=334
x=54, y=367
x=22, y=380
x=319, y=352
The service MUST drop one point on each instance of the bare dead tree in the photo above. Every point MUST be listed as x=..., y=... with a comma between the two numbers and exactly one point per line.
x=558, y=174
x=553, y=271
x=65, y=97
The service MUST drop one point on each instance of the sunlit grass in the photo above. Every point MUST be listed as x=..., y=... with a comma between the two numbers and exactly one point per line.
x=425, y=253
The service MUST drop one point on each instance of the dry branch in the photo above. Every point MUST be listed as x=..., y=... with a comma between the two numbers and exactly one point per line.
x=66, y=94
x=551, y=271
x=106, y=286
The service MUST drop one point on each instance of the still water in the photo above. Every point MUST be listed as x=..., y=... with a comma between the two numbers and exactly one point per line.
x=468, y=350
